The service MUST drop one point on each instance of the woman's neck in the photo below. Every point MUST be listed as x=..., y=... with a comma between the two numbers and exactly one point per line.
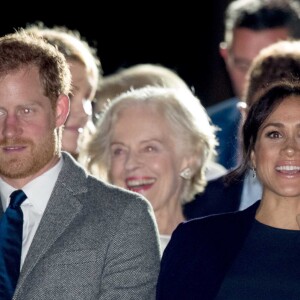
x=168, y=219
x=283, y=213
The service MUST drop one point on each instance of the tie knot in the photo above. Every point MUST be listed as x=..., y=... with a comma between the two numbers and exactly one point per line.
x=16, y=198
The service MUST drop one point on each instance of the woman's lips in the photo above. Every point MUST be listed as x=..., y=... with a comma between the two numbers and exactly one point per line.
x=139, y=184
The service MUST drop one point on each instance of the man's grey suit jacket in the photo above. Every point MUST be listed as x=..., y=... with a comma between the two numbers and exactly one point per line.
x=94, y=241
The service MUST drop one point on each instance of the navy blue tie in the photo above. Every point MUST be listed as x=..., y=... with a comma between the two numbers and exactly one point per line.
x=11, y=229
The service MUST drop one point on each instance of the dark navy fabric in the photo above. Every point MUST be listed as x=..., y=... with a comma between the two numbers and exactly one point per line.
x=11, y=230
x=227, y=117
x=200, y=253
x=218, y=197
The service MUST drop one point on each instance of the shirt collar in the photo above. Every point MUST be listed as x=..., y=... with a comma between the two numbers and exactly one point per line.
x=38, y=191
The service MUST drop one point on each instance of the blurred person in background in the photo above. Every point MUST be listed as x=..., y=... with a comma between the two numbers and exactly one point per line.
x=279, y=62
x=250, y=25
x=86, y=72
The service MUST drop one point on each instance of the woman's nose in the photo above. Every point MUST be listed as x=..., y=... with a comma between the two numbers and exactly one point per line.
x=290, y=147
x=133, y=160
x=290, y=150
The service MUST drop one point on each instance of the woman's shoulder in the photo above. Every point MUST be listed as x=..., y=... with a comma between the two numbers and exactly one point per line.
x=217, y=225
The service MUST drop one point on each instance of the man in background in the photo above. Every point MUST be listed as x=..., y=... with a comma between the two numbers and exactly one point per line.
x=279, y=62
x=250, y=25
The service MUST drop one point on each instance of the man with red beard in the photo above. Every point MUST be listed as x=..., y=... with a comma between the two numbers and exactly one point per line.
x=82, y=239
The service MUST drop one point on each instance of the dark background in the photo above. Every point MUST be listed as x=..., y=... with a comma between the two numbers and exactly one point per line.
x=183, y=37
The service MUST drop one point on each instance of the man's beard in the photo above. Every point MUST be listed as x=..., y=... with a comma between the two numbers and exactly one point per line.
x=29, y=160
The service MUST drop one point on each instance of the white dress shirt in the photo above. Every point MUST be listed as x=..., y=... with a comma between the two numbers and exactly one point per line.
x=252, y=190
x=214, y=170
x=164, y=240
x=38, y=193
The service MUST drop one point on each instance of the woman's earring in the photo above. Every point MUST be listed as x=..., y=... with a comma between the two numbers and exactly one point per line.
x=186, y=174
x=253, y=172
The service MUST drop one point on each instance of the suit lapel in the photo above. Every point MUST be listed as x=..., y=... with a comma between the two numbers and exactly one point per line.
x=62, y=208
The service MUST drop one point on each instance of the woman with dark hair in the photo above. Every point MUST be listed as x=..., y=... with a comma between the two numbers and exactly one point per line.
x=254, y=253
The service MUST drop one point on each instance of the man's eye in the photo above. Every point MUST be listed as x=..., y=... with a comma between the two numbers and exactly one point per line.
x=150, y=148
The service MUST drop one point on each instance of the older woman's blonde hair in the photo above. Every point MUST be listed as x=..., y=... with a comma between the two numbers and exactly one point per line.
x=190, y=126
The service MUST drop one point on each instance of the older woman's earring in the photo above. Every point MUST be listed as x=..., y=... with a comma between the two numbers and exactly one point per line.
x=186, y=174
x=253, y=172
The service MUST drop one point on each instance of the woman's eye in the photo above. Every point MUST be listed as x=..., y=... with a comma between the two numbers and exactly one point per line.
x=274, y=135
x=150, y=148
x=117, y=151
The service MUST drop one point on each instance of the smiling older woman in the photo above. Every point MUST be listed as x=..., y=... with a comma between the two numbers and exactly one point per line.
x=155, y=141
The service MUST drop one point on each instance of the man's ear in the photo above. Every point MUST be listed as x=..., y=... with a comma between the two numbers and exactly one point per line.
x=62, y=109
x=223, y=50
x=242, y=107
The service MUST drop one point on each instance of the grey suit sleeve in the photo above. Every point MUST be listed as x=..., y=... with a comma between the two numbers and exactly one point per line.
x=133, y=258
